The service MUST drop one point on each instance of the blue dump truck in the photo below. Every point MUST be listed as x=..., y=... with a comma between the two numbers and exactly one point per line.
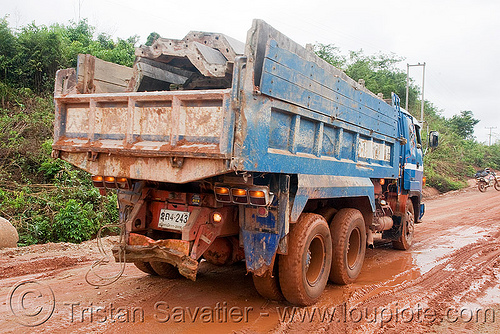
x=263, y=152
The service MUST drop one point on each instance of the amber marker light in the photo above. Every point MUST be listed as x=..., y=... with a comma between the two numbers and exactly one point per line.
x=257, y=193
x=221, y=191
x=109, y=182
x=97, y=181
x=239, y=192
x=381, y=181
x=424, y=179
x=239, y=195
x=222, y=194
x=216, y=217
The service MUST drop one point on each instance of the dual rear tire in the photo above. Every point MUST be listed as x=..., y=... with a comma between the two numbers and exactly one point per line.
x=303, y=272
x=317, y=252
x=349, y=245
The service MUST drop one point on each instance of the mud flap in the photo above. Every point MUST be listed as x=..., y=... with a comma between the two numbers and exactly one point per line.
x=422, y=211
x=260, y=248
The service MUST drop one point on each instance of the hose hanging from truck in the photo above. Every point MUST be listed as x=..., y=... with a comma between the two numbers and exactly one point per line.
x=105, y=259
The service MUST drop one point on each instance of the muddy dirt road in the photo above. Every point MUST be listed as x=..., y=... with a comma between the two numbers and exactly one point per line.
x=448, y=282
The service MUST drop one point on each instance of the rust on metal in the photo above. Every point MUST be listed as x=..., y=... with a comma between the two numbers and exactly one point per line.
x=142, y=240
x=144, y=135
x=187, y=266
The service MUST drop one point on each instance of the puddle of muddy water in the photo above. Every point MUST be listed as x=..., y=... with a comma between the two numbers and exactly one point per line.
x=382, y=270
x=491, y=296
x=442, y=245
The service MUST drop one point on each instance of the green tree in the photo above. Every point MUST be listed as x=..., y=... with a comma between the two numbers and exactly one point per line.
x=463, y=124
x=379, y=71
x=330, y=53
x=7, y=49
x=39, y=55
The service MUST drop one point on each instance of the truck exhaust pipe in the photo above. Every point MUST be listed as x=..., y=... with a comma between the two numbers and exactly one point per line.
x=369, y=239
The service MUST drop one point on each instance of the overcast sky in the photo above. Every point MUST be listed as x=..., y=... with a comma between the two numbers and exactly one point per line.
x=459, y=40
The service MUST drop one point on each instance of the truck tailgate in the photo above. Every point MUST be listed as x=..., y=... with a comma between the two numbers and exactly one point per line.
x=128, y=133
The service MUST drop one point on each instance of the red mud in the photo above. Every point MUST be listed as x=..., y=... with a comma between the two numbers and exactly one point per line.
x=449, y=278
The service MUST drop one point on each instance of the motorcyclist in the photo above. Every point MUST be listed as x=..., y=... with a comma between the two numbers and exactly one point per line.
x=483, y=173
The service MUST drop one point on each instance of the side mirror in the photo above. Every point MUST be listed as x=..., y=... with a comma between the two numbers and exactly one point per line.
x=433, y=139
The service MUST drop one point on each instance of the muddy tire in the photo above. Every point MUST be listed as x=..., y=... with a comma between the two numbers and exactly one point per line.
x=408, y=226
x=268, y=286
x=497, y=185
x=482, y=186
x=349, y=245
x=165, y=269
x=303, y=272
x=145, y=267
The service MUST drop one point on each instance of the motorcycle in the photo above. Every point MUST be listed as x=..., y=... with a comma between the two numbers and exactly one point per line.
x=487, y=179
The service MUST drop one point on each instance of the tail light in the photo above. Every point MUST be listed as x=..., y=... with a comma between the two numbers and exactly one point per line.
x=258, y=196
x=98, y=181
x=216, y=217
x=239, y=195
x=424, y=179
x=122, y=183
x=222, y=194
x=110, y=182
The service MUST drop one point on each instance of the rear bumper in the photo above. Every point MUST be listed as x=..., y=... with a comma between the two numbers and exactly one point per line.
x=175, y=252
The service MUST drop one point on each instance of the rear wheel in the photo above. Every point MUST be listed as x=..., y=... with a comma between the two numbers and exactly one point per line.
x=268, y=286
x=408, y=226
x=303, y=272
x=145, y=267
x=165, y=269
x=349, y=245
x=482, y=186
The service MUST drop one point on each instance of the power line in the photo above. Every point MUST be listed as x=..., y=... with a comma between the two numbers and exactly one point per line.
x=490, y=128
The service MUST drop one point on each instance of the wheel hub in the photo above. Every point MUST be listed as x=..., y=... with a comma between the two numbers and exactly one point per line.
x=314, y=260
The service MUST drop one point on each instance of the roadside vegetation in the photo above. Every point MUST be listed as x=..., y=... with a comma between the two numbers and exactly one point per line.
x=48, y=200
x=459, y=155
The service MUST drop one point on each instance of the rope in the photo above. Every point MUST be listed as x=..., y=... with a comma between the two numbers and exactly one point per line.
x=105, y=259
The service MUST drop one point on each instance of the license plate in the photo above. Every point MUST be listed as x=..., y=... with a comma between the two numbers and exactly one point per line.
x=174, y=220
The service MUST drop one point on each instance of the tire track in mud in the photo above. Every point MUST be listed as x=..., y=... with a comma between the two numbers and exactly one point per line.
x=443, y=263
x=460, y=278
x=465, y=274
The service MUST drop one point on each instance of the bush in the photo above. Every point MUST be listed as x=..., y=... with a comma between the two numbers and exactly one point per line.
x=75, y=222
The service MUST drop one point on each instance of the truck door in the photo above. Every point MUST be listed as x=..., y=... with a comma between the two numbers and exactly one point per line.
x=412, y=157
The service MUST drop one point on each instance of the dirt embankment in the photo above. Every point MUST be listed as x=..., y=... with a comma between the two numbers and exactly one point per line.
x=449, y=281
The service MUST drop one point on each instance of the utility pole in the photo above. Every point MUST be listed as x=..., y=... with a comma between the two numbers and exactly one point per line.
x=79, y=9
x=408, y=88
x=490, y=128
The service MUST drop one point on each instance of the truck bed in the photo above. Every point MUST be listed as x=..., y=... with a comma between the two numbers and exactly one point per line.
x=287, y=111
